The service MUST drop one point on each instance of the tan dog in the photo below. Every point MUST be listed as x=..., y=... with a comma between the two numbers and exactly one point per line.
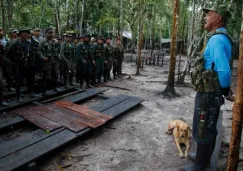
x=181, y=132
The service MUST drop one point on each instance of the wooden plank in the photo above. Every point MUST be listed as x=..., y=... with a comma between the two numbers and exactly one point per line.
x=63, y=96
x=13, y=104
x=8, y=122
x=32, y=116
x=123, y=106
x=84, y=110
x=36, y=150
x=77, y=98
x=106, y=104
x=55, y=113
x=24, y=141
x=79, y=117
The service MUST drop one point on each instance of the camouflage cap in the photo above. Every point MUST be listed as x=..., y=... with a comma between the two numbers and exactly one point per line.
x=81, y=37
x=221, y=10
x=24, y=30
x=108, y=38
x=86, y=35
x=100, y=37
x=13, y=31
x=49, y=29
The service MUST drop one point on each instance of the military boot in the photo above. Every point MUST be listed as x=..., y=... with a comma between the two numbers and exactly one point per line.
x=88, y=85
x=3, y=103
x=202, y=157
x=109, y=76
x=33, y=95
x=44, y=92
x=71, y=83
x=81, y=84
x=105, y=77
x=65, y=83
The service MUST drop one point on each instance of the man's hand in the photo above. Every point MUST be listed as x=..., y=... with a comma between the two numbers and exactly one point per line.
x=45, y=59
x=85, y=62
x=94, y=63
x=105, y=62
x=230, y=96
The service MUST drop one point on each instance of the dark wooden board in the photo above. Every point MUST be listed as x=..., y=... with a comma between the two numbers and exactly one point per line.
x=106, y=104
x=79, y=117
x=24, y=141
x=31, y=115
x=123, y=106
x=84, y=110
x=56, y=114
x=13, y=104
x=10, y=121
x=63, y=96
x=77, y=98
x=36, y=150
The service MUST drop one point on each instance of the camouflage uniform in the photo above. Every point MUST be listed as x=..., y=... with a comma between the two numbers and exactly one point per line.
x=85, y=59
x=108, y=60
x=51, y=50
x=99, y=56
x=118, y=58
x=68, y=56
x=22, y=55
x=2, y=54
x=78, y=66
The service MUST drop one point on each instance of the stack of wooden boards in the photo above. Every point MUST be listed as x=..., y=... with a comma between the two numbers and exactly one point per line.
x=60, y=123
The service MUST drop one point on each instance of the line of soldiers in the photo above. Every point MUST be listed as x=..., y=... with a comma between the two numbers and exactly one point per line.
x=26, y=54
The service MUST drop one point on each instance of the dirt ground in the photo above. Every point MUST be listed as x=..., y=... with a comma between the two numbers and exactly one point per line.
x=137, y=140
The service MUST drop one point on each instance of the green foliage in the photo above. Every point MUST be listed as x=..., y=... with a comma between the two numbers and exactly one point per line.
x=103, y=15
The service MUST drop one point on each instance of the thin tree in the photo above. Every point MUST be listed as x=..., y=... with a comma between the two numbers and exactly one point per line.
x=3, y=14
x=82, y=17
x=140, y=37
x=170, y=90
x=233, y=158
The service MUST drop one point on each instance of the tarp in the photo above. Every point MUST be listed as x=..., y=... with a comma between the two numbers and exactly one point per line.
x=127, y=34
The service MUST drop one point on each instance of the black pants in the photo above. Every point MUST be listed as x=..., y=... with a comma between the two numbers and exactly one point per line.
x=26, y=73
x=213, y=102
x=1, y=85
x=50, y=73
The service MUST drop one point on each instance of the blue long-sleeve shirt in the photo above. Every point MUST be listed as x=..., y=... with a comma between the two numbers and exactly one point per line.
x=219, y=52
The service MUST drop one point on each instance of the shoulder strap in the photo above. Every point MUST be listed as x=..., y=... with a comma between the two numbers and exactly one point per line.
x=226, y=34
x=222, y=32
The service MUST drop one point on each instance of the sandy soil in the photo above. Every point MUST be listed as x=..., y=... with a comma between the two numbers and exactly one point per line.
x=137, y=140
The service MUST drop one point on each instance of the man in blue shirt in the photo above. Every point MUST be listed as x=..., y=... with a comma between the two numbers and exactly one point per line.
x=212, y=79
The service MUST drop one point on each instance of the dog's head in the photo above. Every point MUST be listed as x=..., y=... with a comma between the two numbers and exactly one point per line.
x=183, y=130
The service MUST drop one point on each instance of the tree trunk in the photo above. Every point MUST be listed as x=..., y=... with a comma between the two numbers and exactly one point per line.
x=121, y=19
x=170, y=90
x=3, y=14
x=57, y=18
x=140, y=31
x=234, y=148
x=10, y=13
x=82, y=17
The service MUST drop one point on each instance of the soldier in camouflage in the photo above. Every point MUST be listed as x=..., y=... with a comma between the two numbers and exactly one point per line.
x=99, y=56
x=118, y=58
x=108, y=58
x=85, y=59
x=78, y=69
x=8, y=66
x=68, y=56
x=2, y=56
x=21, y=52
x=49, y=51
